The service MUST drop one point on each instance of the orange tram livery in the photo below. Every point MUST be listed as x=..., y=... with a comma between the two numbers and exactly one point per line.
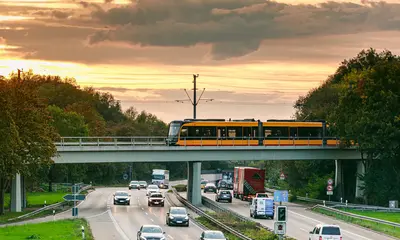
x=249, y=132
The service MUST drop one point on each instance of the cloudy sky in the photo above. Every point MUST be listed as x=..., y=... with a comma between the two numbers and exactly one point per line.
x=254, y=57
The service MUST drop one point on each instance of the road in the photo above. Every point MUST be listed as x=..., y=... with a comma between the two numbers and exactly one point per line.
x=121, y=222
x=301, y=221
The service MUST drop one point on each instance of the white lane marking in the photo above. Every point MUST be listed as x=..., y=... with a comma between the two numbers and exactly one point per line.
x=302, y=229
x=146, y=213
x=97, y=214
x=354, y=234
x=143, y=209
x=170, y=236
x=151, y=220
x=117, y=227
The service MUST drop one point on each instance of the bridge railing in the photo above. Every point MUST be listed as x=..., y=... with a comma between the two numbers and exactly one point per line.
x=202, y=141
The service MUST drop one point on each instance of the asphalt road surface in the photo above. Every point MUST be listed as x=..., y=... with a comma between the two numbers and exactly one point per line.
x=301, y=221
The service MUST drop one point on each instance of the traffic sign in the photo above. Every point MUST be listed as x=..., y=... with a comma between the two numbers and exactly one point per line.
x=280, y=228
x=329, y=188
x=329, y=193
x=74, y=197
x=281, y=213
x=330, y=181
x=282, y=176
x=125, y=176
x=281, y=196
x=75, y=188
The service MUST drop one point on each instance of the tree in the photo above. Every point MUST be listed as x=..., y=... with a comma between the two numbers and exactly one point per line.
x=27, y=119
x=369, y=114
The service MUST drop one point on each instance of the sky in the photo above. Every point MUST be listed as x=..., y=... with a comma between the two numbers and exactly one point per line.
x=254, y=57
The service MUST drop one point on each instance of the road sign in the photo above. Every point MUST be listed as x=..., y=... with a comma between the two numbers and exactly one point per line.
x=74, y=197
x=282, y=176
x=125, y=176
x=281, y=196
x=281, y=213
x=330, y=181
x=74, y=211
x=75, y=188
x=329, y=188
x=280, y=228
x=329, y=193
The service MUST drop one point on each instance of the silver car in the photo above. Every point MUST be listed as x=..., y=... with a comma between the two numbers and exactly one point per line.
x=212, y=235
x=151, y=232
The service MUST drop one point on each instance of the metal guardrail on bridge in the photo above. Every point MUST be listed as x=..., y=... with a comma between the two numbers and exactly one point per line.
x=161, y=141
x=213, y=220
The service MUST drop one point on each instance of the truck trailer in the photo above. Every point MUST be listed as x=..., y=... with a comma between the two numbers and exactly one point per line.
x=247, y=182
x=160, y=177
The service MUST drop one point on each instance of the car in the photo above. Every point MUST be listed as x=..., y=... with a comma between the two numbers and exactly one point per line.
x=150, y=232
x=122, y=197
x=152, y=188
x=143, y=184
x=326, y=231
x=212, y=234
x=203, y=183
x=134, y=185
x=210, y=187
x=177, y=216
x=155, y=198
x=224, y=195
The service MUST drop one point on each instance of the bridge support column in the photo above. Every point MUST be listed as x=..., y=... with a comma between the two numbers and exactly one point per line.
x=194, y=181
x=359, y=182
x=16, y=194
x=339, y=179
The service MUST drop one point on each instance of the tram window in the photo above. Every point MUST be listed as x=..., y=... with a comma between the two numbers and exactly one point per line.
x=279, y=132
x=209, y=133
x=247, y=132
x=310, y=132
x=184, y=133
x=234, y=132
x=267, y=132
x=293, y=132
x=221, y=132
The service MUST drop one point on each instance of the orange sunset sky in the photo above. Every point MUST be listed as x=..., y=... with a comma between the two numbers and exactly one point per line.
x=254, y=57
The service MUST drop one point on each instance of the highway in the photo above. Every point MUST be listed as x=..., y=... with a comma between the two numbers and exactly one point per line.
x=301, y=221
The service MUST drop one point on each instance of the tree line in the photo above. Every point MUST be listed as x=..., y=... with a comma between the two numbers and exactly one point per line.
x=36, y=110
x=360, y=102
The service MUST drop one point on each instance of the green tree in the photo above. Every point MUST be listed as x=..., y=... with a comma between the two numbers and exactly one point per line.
x=68, y=123
x=369, y=114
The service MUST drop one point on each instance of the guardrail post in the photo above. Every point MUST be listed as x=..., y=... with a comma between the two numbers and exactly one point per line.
x=324, y=203
x=54, y=215
x=346, y=203
x=80, y=142
x=341, y=200
x=83, y=232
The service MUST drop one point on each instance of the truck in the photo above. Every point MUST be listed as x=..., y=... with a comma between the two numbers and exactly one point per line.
x=247, y=182
x=160, y=177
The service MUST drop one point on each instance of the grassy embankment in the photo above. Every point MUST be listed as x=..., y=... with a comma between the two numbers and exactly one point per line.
x=62, y=229
x=378, y=227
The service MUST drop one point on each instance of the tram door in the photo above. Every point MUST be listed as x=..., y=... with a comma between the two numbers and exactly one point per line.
x=221, y=135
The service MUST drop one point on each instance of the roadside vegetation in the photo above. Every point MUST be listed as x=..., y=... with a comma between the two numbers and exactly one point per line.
x=180, y=187
x=249, y=229
x=387, y=216
x=62, y=229
x=378, y=227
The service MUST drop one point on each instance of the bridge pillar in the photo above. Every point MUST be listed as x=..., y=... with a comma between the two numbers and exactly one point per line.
x=194, y=181
x=339, y=178
x=16, y=194
x=359, y=182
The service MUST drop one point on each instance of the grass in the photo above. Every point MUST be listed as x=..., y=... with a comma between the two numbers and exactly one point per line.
x=249, y=229
x=378, y=227
x=387, y=216
x=63, y=229
x=36, y=199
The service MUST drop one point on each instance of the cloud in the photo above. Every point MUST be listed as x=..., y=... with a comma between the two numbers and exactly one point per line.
x=236, y=28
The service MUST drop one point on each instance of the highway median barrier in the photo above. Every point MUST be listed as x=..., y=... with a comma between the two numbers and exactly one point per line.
x=180, y=187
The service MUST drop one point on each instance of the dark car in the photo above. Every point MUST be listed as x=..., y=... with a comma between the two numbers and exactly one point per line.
x=177, y=216
x=153, y=232
x=210, y=187
x=122, y=197
x=224, y=195
x=212, y=235
x=156, y=199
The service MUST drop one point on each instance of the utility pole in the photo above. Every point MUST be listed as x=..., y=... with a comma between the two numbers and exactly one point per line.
x=195, y=101
x=19, y=74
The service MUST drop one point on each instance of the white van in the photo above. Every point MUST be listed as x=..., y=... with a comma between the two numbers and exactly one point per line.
x=326, y=232
x=262, y=207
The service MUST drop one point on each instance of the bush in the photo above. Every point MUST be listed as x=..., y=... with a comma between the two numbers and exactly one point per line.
x=180, y=187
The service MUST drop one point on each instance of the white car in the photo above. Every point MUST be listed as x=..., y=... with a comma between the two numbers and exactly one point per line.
x=152, y=189
x=326, y=232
